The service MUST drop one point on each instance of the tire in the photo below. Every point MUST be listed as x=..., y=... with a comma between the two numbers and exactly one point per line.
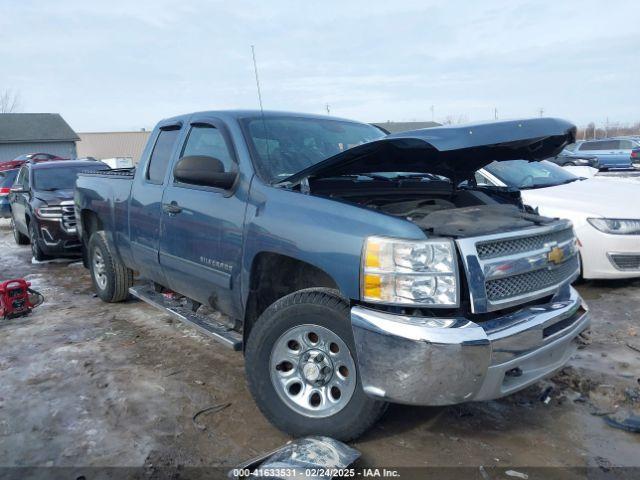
x=325, y=312
x=19, y=238
x=110, y=277
x=569, y=164
x=36, y=247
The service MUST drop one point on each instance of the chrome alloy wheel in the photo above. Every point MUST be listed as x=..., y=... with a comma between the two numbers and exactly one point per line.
x=99, y=269
x=313, y=371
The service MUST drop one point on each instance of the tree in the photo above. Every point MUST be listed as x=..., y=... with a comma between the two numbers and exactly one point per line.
x=9, y=101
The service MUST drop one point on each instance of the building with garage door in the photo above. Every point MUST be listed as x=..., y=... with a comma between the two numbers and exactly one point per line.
x=35, y=133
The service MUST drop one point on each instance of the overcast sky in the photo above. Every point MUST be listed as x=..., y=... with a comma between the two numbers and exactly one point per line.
x=121, y=65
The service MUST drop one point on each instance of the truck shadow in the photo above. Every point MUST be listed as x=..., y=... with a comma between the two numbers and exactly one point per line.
x=518, y=412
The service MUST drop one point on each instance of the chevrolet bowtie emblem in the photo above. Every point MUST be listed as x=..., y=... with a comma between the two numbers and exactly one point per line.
x=556, y=255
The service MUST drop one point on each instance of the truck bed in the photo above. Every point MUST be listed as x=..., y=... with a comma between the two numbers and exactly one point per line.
x=105, y=195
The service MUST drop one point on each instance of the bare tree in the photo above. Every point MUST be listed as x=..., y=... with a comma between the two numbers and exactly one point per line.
x=9, y=101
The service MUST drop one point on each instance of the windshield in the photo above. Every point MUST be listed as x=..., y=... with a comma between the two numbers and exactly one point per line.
x=287, y=145
x=7, y=178
x=523, y=174
x=63, y=178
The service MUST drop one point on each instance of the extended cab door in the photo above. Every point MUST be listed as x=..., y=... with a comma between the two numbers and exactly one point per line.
x=145, y=205
x=201, y=242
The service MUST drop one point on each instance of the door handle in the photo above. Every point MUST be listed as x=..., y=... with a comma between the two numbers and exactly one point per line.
x=172, y=208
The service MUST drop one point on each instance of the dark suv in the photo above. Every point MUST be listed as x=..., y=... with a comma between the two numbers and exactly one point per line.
x=42, y=211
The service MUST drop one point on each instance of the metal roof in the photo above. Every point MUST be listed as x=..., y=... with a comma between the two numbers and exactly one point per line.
x=35, y=127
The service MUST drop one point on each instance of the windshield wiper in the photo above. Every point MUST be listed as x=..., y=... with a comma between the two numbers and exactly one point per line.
x=430, y=176
x=545, y=185
x=372, y=176
x=538, y=185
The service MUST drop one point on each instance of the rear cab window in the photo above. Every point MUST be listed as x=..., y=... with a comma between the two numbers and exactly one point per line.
x=161, y=154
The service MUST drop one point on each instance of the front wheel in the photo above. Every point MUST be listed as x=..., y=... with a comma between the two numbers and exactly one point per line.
x=36, y=248
x=110, y=277
x=302, y=371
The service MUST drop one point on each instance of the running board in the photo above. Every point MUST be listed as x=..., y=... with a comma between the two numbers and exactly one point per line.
x=225, y=335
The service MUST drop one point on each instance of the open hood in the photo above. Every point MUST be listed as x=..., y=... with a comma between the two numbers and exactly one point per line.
x=455, y=152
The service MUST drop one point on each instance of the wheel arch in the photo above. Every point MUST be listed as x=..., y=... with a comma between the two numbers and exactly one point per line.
x=273, y=276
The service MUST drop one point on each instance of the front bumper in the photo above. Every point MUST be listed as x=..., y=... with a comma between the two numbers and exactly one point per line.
x=599, y=251
x=56, y=240
x=431, y=361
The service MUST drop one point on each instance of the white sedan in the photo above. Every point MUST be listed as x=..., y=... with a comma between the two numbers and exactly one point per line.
x=605, y=214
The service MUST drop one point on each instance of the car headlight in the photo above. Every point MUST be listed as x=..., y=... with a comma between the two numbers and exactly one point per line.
x=616, y=226
x=49, y=212
x=406, y=272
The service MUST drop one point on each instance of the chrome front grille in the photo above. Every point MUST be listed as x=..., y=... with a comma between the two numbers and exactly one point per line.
x=68, y=216
x=625, y=261
x=524, y=283
x=512, y=268
x=501, y=248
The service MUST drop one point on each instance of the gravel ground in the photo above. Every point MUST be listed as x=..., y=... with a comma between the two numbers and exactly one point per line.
x=84, y=383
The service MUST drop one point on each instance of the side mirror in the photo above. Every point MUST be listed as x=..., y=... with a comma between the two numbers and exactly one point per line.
x=203, y=170
x=18, y=189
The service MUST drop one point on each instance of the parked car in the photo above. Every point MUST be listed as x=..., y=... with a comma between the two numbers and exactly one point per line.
x=346, y=283
x=7, y=177
x=568, y=158
x=38, y=157
x=635, y=157
x=604, y=213
x=611, y=152
x=28, y=157
x=41, y=202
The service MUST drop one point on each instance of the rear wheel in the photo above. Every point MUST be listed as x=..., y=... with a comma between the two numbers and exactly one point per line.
x=19, y=238
x=302, y=371
x=36, y=247
x=110, y=277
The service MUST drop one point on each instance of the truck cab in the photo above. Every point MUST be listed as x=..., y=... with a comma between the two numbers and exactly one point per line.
x=352, y=269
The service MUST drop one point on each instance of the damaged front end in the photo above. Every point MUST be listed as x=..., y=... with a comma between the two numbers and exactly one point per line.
x=481, y=323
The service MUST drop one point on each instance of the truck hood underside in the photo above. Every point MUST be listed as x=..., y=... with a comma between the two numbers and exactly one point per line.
x=479, y=220
x=453, y=152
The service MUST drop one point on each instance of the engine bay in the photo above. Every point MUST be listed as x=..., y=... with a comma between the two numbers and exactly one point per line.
x=439, y=209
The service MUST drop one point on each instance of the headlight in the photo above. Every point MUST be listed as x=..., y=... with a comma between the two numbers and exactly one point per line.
x=616, y=226
x=49, y=212
x=404, y=272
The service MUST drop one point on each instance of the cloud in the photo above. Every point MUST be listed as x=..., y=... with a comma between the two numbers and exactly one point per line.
x=122, y=64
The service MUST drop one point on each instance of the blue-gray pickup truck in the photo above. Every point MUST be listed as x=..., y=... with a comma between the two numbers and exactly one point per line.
x=351, y=267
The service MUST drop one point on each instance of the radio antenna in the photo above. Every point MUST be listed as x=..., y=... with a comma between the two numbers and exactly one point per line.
x=255, y=69
x=264, y=123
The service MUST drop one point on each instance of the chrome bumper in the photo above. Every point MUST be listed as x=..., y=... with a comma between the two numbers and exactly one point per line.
x=443, y=361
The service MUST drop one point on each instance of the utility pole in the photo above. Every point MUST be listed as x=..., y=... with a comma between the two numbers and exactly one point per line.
x=495, y=113
x=432, y=113
x=326, y=106
x=541, y=111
